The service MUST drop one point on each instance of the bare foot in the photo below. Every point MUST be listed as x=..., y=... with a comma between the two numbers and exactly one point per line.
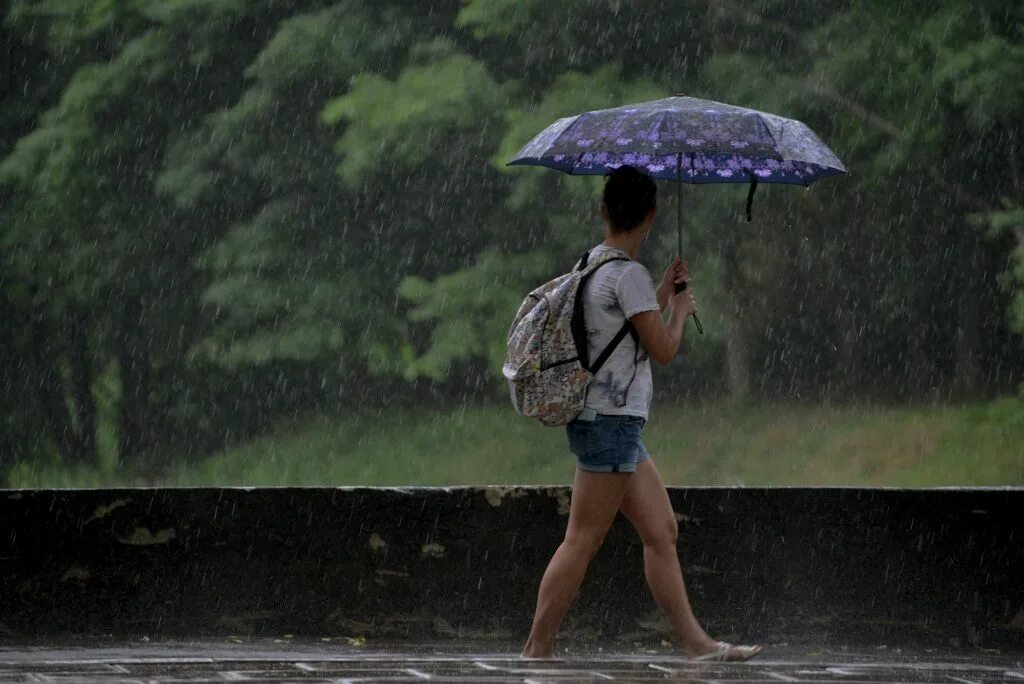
x=721, y=651
x=537, y=652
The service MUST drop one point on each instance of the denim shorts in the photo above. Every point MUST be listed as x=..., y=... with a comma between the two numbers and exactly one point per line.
x=607, y=444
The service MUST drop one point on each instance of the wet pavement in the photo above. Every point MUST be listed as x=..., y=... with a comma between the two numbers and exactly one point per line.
x=284, y=660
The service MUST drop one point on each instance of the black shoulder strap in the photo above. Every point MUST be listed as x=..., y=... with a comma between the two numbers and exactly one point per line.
x=578, y=325
x=627, y=327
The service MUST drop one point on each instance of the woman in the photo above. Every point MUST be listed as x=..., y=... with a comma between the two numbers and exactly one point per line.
x=614, y=471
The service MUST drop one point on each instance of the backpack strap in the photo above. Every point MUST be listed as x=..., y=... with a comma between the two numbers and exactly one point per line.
x=578, y=326
x=627, y=327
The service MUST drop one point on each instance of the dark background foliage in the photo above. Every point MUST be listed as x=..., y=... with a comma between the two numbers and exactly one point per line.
x=218, y=216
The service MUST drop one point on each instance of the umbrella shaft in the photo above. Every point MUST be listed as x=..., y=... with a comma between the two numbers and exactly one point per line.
x=679, y=205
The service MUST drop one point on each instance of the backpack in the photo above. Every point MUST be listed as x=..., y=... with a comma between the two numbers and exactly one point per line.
x=546, y=363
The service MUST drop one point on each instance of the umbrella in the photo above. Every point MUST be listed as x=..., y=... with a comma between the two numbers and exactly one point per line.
x=688, y=140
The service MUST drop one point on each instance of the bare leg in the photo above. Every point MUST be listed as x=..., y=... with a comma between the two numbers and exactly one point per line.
x=647, y=506
x=595, y=501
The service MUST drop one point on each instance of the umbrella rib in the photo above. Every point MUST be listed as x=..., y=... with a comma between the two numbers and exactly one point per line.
x=772, y=136
x=576, y=163
x=806, y=183
x=661, y=122
x=566, y=130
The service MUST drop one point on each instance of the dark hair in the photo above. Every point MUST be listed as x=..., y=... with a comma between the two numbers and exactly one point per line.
x=628, y=196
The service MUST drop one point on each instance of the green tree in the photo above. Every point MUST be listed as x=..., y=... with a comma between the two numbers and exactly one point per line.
x=95, y=252
x=302, y=283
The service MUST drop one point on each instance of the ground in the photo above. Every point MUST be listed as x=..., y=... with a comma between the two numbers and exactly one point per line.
x=314, y=661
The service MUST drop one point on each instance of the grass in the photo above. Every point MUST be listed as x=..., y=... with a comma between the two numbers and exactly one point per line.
x=907, y=447
x=716, y=444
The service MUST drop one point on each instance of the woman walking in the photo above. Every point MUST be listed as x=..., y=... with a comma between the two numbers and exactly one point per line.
x=614, y=471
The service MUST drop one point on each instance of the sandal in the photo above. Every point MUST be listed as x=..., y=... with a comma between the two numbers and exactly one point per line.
x=721, y=654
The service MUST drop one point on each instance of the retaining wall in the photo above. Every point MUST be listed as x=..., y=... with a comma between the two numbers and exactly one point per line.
x=867, y=566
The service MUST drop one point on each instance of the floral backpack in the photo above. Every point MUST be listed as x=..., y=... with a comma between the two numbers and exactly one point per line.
x=546, y=363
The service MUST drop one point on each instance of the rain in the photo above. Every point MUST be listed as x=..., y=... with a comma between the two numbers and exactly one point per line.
x=292, y=345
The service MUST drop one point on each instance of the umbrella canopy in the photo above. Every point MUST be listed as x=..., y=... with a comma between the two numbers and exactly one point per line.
x=684, y=139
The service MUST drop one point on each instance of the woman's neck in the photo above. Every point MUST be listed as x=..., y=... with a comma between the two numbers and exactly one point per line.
x=628, y=242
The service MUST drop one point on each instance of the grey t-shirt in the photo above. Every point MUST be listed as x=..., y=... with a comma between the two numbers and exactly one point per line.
x=615, y=292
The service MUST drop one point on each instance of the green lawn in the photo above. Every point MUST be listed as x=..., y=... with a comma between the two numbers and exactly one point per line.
x=979, y=444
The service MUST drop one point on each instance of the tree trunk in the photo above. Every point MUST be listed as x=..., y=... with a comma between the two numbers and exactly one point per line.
x=966, y=348
x=133, y=435
x=736, y=363
x=81, y=386
x=737, y=370
x=51, y=388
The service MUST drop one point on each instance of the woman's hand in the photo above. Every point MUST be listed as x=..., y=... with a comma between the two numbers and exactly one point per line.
x=677, y=272
x=684, y=303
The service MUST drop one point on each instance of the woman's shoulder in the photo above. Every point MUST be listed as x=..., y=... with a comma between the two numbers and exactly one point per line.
x=633, y=275
x=622, y=259
x=632, y=267
x=621, y=266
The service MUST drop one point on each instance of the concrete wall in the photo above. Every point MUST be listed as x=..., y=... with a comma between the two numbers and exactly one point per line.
x=941, y=567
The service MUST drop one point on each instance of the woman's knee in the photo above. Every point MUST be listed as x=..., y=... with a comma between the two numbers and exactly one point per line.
x=584, y=542
x=664, y=534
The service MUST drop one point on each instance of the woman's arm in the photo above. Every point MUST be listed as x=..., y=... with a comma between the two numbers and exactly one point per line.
x=661, y=341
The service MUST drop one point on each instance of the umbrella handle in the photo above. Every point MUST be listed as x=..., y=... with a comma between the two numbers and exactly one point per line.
x=700, y=328
x=750, y=193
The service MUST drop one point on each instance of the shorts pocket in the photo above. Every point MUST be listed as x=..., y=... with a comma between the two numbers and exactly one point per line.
x=630, y=426
x=582, y=436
